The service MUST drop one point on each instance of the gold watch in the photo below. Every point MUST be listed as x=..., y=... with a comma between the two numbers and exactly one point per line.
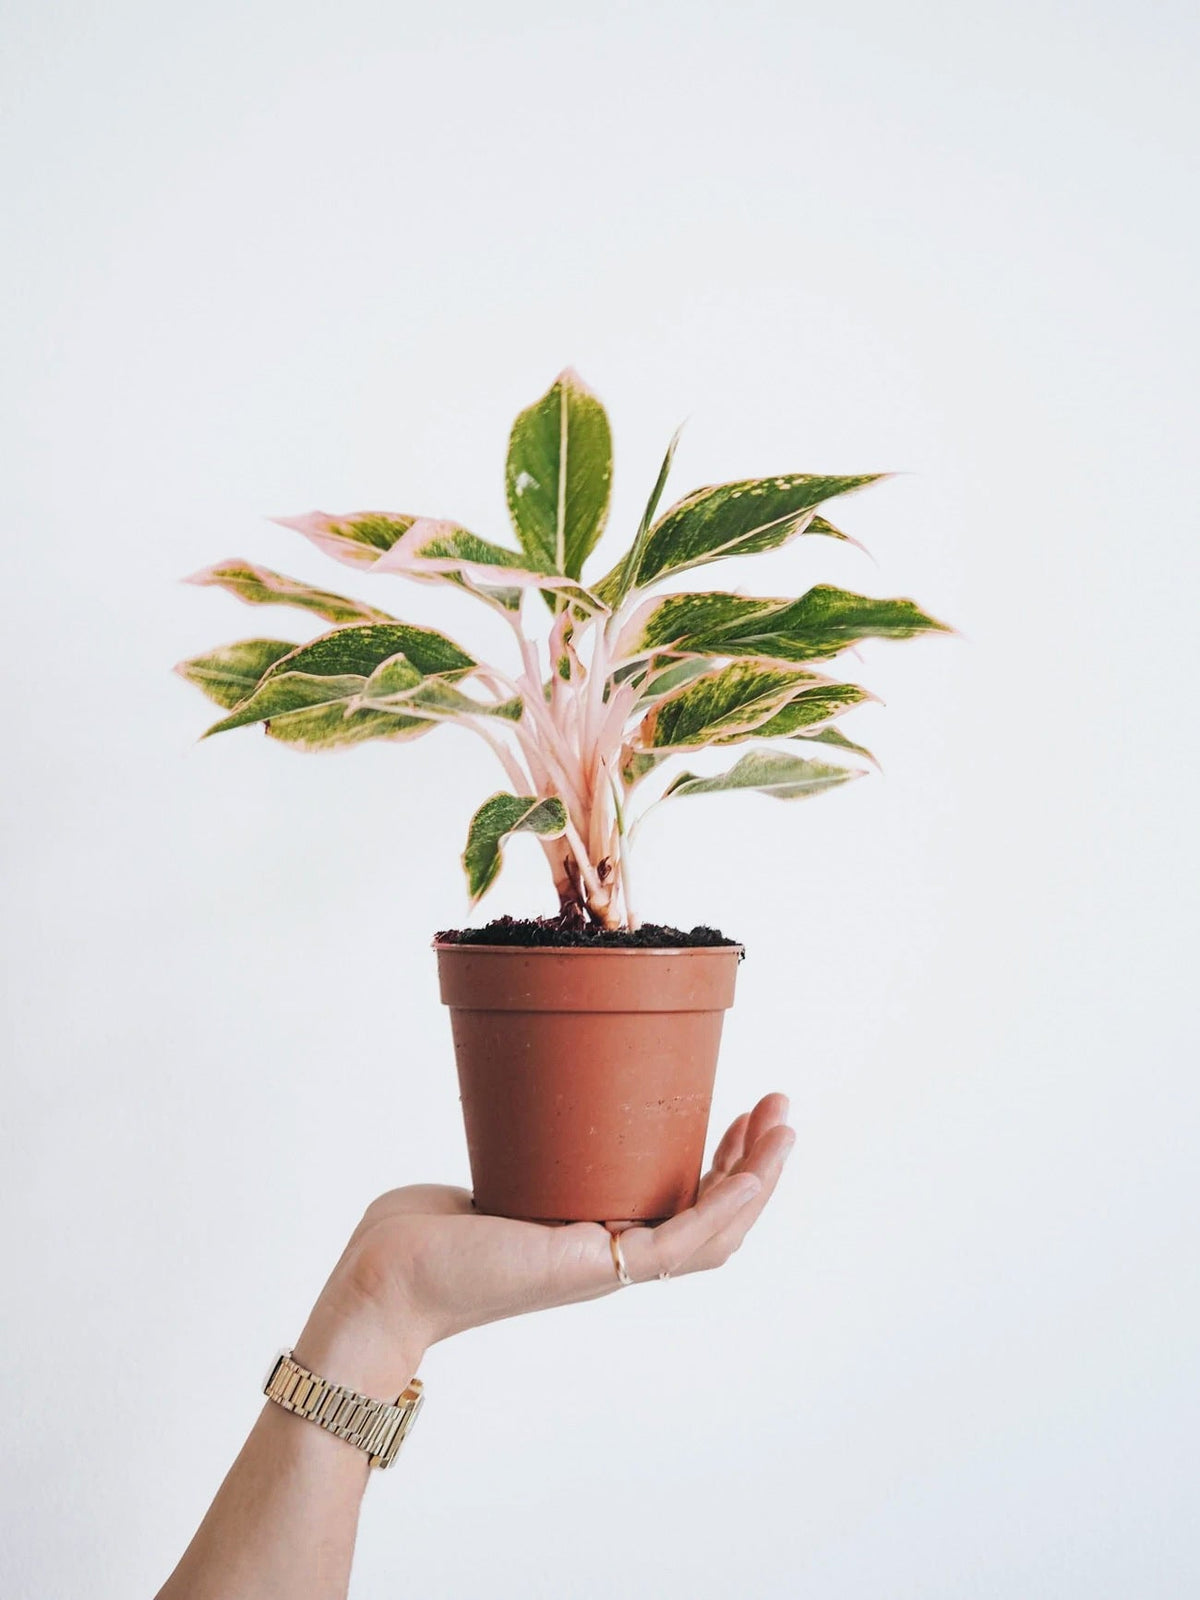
x=372, y=1425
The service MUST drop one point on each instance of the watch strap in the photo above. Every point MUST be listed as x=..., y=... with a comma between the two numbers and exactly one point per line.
x=375, y=1426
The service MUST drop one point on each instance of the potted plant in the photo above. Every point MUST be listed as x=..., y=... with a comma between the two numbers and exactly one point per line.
x=586, y=1044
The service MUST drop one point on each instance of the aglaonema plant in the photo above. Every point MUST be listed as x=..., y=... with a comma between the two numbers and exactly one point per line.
x=618, y=685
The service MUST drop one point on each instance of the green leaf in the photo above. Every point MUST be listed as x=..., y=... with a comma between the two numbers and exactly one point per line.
x=777, y=773
x=735, y=700
x=442, y=550
x=363, y=538
x=233, y=671
x=669, y=674
x=821, y=623
x=395, y=678
x=631, y=562
x=732, y=519
x=331, y=728
x=396, y=685
x=259, y=586
x=836, y=738
x=558, y=476
x=360, y=650
x=314, y=713
x=495, y=820
x=826, y=529
x=811, y=708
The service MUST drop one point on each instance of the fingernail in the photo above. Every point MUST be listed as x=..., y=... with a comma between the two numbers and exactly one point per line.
x=746, y=1184
x=787, y=1107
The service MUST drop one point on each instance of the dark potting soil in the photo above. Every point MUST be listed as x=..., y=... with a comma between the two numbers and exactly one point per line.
x=542, y=932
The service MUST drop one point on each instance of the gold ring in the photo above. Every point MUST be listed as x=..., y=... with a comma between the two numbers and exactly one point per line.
x=618, y=1255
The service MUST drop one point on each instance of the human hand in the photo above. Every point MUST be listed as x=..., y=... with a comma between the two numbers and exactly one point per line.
x=423, y=1264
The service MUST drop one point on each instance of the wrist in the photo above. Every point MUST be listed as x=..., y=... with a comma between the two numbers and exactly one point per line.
x=360, y=1337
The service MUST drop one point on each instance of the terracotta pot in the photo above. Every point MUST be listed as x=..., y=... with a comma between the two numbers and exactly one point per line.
x=586, y=1075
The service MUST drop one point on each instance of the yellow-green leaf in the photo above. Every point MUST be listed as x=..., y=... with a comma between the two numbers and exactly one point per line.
x=396, y=685
x=314, y=713
x=776, y=773
x=259, y=586
x=233, y=671
x=838, y=740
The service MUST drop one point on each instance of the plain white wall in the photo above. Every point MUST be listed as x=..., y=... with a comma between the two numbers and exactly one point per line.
x=265, y=257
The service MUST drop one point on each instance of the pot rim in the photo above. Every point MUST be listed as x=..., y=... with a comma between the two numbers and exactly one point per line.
x=582, y=950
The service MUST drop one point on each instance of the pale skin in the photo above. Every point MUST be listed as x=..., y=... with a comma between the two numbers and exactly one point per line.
x=423, y=1265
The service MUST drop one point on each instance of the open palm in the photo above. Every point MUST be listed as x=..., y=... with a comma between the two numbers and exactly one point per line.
x=426, y=1245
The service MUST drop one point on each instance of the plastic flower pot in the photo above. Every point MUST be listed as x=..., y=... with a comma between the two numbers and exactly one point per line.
x=586, y=1076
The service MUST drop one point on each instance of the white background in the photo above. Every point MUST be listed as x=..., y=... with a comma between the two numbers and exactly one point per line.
x=263, y=258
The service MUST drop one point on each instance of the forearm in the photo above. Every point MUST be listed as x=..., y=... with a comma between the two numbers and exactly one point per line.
x=283, y=1524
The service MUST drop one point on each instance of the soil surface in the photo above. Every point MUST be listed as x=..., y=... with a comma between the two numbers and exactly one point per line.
x=553, y=932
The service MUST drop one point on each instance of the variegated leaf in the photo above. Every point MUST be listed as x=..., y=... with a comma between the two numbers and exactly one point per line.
x=360, y=650
x=631, y=562
x=334, y=728
x=310, y=712
x=777, y=773
x=233, y=671
x=394, y=678
x=396, y=685
x=358, y=538
x=668, y=674
x=732, y=701
x=259, y=586
x=638, y=764
x=810, y=709
x=443, y=550
x=558, y=476
x=729, y=519
x=496, y=819
x=839, y=741
x=440, y=700
x=826, y=529
x=818, y=625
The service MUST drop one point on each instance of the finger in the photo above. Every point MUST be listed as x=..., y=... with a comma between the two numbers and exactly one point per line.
x=770, y=1111
x=767, y=1163
x=650, y=1251
x=732, y=1145
x=728, y=1151
x=741, y=1138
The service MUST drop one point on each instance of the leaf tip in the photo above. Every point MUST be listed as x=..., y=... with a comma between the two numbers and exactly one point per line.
x=569, y=378
x=308, y=522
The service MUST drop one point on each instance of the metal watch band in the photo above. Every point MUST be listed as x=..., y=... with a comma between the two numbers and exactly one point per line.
x=372, y=1425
